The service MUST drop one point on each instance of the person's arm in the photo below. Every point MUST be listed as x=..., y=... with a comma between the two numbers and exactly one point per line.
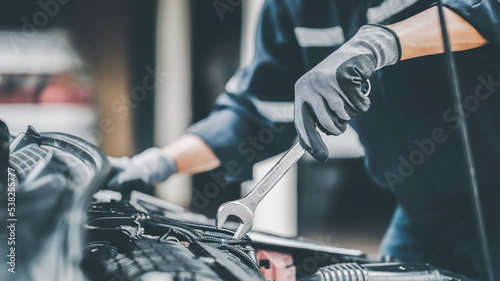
x=236, y=134
x=420, y=35
x=188, y=154
x=330, y=94
x=192, y=155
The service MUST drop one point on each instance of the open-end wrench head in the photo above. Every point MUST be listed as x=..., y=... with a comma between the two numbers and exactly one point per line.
x=235, y=208
x=221, y=216
x=242, y=230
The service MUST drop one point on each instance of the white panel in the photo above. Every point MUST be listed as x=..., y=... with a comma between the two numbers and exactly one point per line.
x=251, y=13
x=173, y=95
x=277, y=212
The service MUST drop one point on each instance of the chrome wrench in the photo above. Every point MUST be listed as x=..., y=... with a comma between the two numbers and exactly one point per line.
x=244, y=209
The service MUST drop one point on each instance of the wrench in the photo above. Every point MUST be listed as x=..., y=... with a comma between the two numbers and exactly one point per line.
x=244, y=209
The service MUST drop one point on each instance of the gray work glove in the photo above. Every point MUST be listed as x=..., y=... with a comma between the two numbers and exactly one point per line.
x=330, y=93
x=149, y=167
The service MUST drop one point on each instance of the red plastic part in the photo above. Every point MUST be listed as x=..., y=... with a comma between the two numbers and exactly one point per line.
x=276, y=266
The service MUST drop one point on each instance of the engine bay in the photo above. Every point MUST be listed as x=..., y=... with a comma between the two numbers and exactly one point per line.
x=70, y=227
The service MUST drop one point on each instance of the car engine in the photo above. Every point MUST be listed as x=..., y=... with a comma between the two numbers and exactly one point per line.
x=67, y=226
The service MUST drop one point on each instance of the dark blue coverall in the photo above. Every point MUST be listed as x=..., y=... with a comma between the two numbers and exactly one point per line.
x=410, y=134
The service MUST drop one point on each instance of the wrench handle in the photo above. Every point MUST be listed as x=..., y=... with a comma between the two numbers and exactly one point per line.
x=272, y=177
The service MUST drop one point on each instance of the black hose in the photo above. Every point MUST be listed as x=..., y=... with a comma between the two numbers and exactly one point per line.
x=211, y=239
x=176, y=233
x=466, y=147
x=194, y=225
x=215, y=242
x=156, y=227
x=246, y=259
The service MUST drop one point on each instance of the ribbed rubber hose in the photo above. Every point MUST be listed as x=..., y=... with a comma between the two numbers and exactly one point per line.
x=211, y=239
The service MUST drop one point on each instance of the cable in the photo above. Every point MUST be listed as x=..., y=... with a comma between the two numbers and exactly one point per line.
x=195, y=225
x=246, y=259
x=157, y=227
x=211, y=239
x=466, y=146
x=171, y=231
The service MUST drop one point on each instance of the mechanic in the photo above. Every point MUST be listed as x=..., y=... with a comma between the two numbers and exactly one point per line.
x=409, y=133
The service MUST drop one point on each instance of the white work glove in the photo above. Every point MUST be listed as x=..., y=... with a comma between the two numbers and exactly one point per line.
x=330, y=94
x=149, y=167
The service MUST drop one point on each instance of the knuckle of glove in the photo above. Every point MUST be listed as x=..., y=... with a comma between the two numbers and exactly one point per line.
x=312, y=81
x=119, y=163
x=303, y=86
x=307, y=89
x=134, y=171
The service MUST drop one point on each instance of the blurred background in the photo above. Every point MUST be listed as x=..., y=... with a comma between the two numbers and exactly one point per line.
x=128, y=75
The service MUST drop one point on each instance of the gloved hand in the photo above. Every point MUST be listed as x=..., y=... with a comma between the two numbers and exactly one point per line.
x=330, y=94
x=149, y=167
